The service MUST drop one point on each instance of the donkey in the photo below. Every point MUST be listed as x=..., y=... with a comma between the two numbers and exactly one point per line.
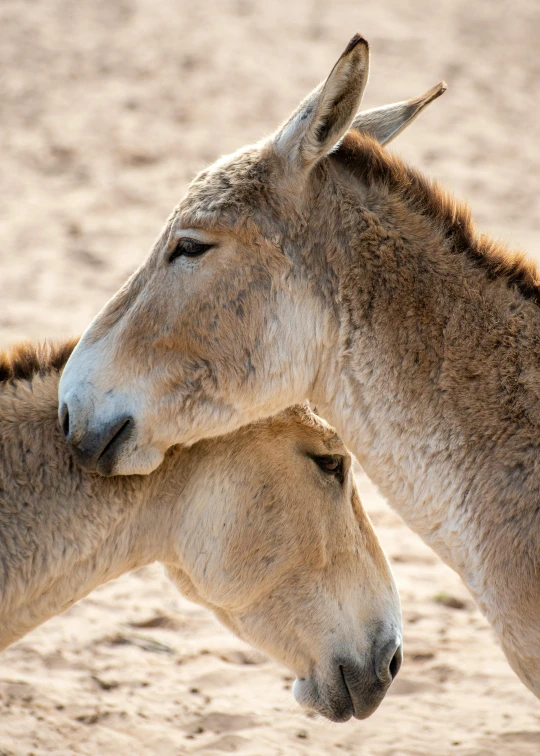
x=263, y=527
x=315, y=264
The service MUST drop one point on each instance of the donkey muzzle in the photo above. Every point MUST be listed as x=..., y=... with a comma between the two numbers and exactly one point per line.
x=353, y=687
x=96, y=448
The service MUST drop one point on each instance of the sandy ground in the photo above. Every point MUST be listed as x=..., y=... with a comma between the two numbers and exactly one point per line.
x=107, y=108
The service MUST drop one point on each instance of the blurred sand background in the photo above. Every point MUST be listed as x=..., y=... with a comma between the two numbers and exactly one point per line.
x=107, y=108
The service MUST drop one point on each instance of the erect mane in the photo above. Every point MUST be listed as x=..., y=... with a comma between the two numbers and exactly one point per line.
x=366, y=160
x=26, y=360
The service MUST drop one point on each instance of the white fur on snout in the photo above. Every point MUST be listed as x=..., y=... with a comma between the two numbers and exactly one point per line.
x=90, y=409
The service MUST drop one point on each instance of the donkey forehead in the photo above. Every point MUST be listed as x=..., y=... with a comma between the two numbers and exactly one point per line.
x=232, y=186
x=303, y=418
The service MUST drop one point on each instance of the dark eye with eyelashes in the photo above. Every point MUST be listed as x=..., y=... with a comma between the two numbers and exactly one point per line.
x=331, y=464
x=189, y=248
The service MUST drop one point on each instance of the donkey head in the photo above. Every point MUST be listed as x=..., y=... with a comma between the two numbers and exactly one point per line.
x=229, y=318
x=270, y=534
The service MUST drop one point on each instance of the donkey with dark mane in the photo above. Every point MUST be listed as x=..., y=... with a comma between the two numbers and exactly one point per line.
x=315, y=264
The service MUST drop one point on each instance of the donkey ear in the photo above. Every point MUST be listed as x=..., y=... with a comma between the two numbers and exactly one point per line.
x=326, y=114
x=387, y=122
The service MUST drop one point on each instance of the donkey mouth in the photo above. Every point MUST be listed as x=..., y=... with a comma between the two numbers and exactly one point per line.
x=350, y=689
x=364, y=695
x=107, y=458
x=98, y=451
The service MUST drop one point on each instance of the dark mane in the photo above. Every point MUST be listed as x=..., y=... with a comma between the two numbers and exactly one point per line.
x=365, y=158
x=26, y=360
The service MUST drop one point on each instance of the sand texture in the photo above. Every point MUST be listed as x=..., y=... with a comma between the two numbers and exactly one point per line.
x=107, y=108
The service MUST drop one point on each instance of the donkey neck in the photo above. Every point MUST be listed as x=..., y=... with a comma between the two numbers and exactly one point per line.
x=62, y=532
x=438, y=368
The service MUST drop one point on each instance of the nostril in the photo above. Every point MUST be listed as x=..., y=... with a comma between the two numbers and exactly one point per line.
x=395, y=663
x=65, y=420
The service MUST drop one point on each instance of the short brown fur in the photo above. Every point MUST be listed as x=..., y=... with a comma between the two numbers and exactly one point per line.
x=372, y=166
x=27, y=359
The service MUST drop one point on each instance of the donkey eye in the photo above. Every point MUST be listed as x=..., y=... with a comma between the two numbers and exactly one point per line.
x=189, y=248
x=331, y=464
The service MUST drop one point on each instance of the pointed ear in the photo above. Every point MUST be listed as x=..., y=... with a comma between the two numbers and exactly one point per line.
x=325, y=116
x=387, y=122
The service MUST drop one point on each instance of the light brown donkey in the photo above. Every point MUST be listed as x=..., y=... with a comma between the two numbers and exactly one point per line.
x=315, y=264
x=263, y=527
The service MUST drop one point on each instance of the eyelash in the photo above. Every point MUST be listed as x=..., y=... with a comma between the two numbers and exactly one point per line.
x=189, y=248
x=331, y=465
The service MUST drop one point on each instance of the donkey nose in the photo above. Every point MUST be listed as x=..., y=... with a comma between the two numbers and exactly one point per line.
x=96, y=448
x=390, y=661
